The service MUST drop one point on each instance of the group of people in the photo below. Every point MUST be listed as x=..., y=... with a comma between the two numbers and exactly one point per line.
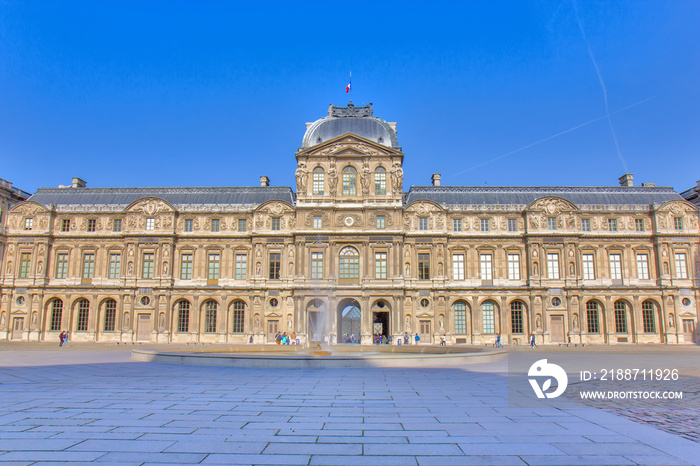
x=380, y=339
x=63, y=339
x=281, y=338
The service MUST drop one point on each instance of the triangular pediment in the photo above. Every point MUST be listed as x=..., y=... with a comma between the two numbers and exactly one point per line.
x=349, y=144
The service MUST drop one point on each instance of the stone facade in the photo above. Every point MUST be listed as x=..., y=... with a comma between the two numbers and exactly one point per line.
x=350, y=254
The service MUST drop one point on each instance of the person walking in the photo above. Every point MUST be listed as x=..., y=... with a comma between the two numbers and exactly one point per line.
x=62, y=338
x=417, y=339
x=442, y=340
x=498, y=341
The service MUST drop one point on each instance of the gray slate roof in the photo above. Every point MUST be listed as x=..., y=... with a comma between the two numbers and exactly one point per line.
x=175, y=196
x=523, y=195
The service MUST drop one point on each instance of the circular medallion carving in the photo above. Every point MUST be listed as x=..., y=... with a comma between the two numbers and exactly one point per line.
x=349, y=220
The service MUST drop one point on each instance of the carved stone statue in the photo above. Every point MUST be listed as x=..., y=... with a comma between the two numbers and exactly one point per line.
x=408, y=324
x=366, y=179
x=538, y=322
x=301, y=175
x=408, y=269
x=165, y=268
x=397, y=178
x=257, y=322
x=126, y=321
x=670, y=320
x=257, y=269
x=332, y=179
x=161, y=321
x=575, y=320
x=2, y=320
x=442, y=323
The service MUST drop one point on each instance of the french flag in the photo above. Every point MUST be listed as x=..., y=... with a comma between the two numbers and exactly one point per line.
x=347, y=88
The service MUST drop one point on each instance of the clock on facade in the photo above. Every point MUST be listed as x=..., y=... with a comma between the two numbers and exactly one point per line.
x=349, y=221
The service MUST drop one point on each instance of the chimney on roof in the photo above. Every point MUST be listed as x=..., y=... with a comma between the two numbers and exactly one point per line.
x=436, y=179
x=79, y=183
x=264, y=181
x=626, y=180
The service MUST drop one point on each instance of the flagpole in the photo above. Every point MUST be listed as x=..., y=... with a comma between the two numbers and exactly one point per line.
x=350, y=86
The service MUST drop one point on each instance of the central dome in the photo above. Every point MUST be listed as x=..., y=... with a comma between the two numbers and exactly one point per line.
x=350, y=119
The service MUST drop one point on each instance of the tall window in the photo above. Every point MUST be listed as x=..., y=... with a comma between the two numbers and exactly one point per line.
x=110, y=307
x=215, y=224
x=349, y=181
x=318, y=221
x=585, y=224
x=620, y=317
x=25, y=261
x=238, y=317
x=423, y=223
x=551, y=223
x=380, y=181
x=92, y=225
x=242, y=225
x=83, y=315
x=210, y=308
x=28, y=223
x=512, y=224
x=381, y=221
x=648, y=320
x=148, y=265
x=61, y=265
x=150, y=224
x=186, y=267
x=276, y=223
x=316, y=265
x=681, y=265
x=88, y=265
x=56, y=314
x=115, y=261
x=516, y=316
x=380, y=265
x=487, y=309
x=213, y=266
x=553, y=265
x=117, y=225
x=457, y=224
x=616, y=266
x=588, y=267
x=460, y=318
x=183, y=316
x=458, y=266
x=612, y=224
x=678, y=223
x=639, y=224
x=643, y=266
x=349, y=263
x=592, y=317
x=189, y=224
x=241, y=263
x=275, y=263
x=485, y=260
x=484, y=224
x=318, y=176
x=423, y=266
x=65, y=225
x=513, y=266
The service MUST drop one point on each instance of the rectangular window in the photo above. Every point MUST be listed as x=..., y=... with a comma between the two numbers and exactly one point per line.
x=513, y=266
x=380, y=181
x=381, y=221
x=210, y=317
x=213, y=266
x=92, y=225
x=318, y=221
x=214, y=225
x=460, y=320
x=186, y=267
x=25, y=261
x=620, y=317
x=238, y=320
x=486, y=272
x=512, y=224
x=423, y=223
x=484, y=224
x=28, y=223
x=110, y=315
x=616, y=266
x=457, y=224
x=275, y=260
x=648, y=317
x=380, y=265
x=56, y=314
x=612, y=224
x=316, y=265
x=592, y=317
x=639, y=224
x=241, y=264
x=489, y=318
x=678, y=223
x=585, y=224
x=150, y=224
x=88, y=265
x=276, y=223
x=553, y=266
x=117, y=225
x=148, y=265
x=188, y=224
x=61, y=265
x=424, y=266
x=681, y=266
x=516, y=317
x=458, y=266
x=588, y=267
x=643, y=266
x=318, y=181
x=65, y=225
x=242, y=225
x=115, y=261
x=83, y=315
x=551, y=223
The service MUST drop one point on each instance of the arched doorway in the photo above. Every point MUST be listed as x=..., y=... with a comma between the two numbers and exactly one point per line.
x=349, y=321
x=380, y=320
x=318, y=320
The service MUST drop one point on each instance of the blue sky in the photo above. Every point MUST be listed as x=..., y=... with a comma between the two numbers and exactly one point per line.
x=500, y=93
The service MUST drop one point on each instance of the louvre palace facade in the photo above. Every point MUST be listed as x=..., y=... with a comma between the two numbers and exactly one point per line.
x=351, y=254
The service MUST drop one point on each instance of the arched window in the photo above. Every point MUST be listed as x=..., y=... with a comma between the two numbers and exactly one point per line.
x=83, y=315
x=56, y=314
x=349, y=181
x=380, y=181
x=648, y=317
x=592, y=317
x=349, y=263
x=183, y=316
x=516, y=317
x=460, y=318
x=110, y=307
x=210, y=317
x=489, y=318
x=620, y=317
x=238, y=317
x=318, y=176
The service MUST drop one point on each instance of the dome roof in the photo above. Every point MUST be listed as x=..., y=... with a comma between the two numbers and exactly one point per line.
x=350, y=119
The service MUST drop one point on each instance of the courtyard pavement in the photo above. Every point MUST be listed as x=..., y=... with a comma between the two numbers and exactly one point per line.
x=90, y=404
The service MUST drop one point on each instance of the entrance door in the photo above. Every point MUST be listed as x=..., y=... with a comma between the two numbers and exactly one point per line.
x=689, y=330
x=143, y=327
x=17, y=328
x=424, y=331
x=350, y=316
x=272, y=326
x=380, y=324
x=557, y=329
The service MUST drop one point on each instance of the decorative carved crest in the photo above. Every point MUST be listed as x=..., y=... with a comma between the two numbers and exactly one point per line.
x=150, y=206
x=552, y=205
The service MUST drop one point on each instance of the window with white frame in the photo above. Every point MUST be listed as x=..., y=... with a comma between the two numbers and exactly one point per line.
x=150, y=224
x=318, y=176
x=588, y=266
x=147, y=265
x=88, y=265
x=616, y=266
x=553, y=265
x=423, y=223
x=316, y=265
x=380, y=265
x=486, y=270
x=643, y=266
x=61, y=265
x=678, y=223
x=551, y=223
x=380, y=181
x=381, y=221
x=489, y=319
x=457, y=224
x=639, y=224
x=318, y=221
x=512, y=224
x=458, y=266
x=349, y=263
x=484, y=224
x=585, y=224
x=114, y=265
x=681, y=265
x=612, y=224
x=28, y=223
x=241, y=266
x=513, y=266
x=213, y=266
x=186, y=267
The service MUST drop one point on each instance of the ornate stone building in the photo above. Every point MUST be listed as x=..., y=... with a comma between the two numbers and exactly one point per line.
x=351, y=254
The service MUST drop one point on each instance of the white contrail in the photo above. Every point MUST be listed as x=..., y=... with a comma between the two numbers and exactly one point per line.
x=602, y=85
